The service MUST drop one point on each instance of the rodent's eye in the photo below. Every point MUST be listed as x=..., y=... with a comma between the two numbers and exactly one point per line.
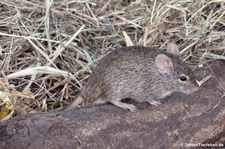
x=183, y=78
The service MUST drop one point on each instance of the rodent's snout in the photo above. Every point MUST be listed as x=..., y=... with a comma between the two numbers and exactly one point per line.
x=195, y=88
x=192, y=88
x=189, y=88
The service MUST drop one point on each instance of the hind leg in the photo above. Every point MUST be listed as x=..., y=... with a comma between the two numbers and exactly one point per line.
x=75, y=103
x=100, y=101
x=123, y=105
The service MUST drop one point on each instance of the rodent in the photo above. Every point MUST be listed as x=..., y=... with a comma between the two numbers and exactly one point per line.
x=137, y=72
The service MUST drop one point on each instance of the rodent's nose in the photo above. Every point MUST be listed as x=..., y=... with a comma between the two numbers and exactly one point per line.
x=195, y=88
x=192, y=88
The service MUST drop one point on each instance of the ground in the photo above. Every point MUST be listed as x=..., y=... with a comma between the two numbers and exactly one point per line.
x=181, y=121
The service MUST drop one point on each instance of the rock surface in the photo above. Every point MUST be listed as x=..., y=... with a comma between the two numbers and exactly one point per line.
x=180, y=122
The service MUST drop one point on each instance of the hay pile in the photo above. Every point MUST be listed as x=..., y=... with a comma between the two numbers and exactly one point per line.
x=47, y=47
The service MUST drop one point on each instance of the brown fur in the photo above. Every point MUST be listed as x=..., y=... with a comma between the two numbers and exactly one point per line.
x=130, y=72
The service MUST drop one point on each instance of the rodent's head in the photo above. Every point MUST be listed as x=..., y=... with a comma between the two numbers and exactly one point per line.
x=176, y=75
x=186, y=82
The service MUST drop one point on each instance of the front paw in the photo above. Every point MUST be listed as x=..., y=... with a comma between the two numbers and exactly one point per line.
x=154, y=102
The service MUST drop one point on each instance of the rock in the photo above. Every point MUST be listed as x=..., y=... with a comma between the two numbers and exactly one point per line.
x=182, y=121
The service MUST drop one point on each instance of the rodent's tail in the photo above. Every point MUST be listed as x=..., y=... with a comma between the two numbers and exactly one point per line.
x=75, y=103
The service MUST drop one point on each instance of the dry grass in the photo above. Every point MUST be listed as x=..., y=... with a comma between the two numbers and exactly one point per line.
x=47, y=47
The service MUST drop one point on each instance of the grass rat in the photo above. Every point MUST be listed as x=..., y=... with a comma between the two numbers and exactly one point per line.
x=137, y=72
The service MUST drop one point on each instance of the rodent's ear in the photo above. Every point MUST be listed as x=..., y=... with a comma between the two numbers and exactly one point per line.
x=163, y=63
x=173, y=49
